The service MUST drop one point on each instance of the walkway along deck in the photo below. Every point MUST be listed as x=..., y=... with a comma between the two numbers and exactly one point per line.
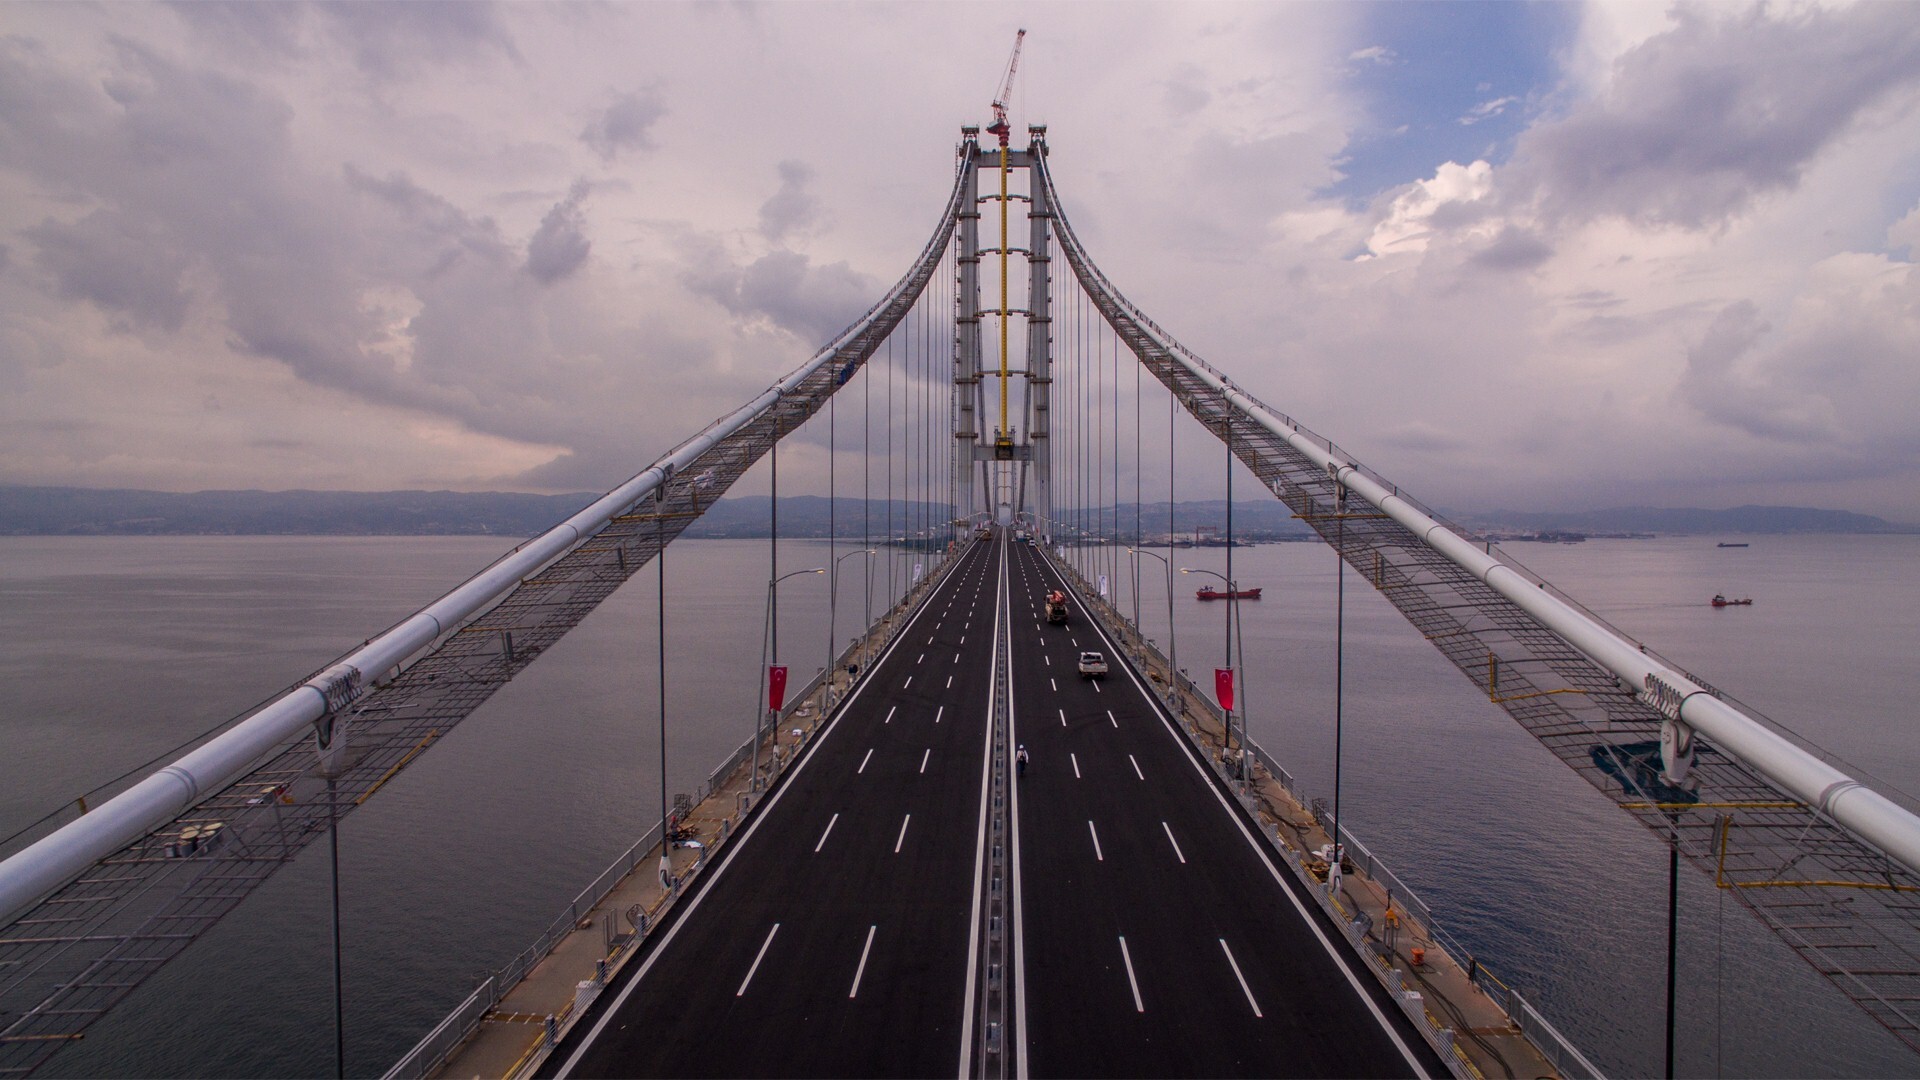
x=518, y=1037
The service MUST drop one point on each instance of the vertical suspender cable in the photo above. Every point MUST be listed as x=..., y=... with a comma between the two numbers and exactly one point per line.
x=1233, y=589
x=339, y=992
x=770, y=634
x=1673, y=938
x=866, y=483
x=1113, y=541
x=1102, y=449
x=908, y=440
x=833, y=564
x=660, y=566
x=889, y=419
x=1339, y=655
x=1173, y=639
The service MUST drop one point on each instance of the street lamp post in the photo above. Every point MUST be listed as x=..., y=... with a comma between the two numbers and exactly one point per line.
x=1173, y=639
x=1233, y=624
x=833, y=611
x=769, y=661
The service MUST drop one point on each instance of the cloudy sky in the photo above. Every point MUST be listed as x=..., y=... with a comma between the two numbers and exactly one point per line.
x=1530, y=256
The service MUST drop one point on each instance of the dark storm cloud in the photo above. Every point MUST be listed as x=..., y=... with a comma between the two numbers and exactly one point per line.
x=182, y=160
x=1514, y=249
x=1838, y=376
x=177, y=161
x=626, y=124
x=1719, y=110
x=435, y=224
x=784, y=288
x=245, y=24
x=793, y=206
x=387, y=40
x=117, y=262
x=560, y=246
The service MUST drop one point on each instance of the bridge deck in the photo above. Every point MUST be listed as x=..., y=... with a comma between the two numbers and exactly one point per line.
x=832, y=938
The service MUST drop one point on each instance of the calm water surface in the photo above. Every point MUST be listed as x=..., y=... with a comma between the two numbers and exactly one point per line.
x=118, y=649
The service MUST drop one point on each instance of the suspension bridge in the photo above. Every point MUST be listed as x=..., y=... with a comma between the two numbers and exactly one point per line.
x=962, y=848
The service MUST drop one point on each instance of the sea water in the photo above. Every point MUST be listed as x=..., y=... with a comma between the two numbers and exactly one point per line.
x=117, y=650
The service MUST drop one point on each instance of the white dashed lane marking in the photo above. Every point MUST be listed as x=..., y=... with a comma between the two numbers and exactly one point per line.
x=757, y=957
x=1176, y=846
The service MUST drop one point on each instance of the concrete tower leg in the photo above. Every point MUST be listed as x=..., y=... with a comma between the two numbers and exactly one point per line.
x=966, y=317
x=1040, y=337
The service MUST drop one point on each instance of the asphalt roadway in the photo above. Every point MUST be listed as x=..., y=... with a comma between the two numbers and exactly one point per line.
x=1160, y=937
x=837, y=934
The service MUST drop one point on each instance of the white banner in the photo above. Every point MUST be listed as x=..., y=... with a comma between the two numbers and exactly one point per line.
x=916, y=573
x=1103, y=584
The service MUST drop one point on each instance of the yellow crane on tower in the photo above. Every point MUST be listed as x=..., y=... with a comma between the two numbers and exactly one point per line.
x=1003, y=436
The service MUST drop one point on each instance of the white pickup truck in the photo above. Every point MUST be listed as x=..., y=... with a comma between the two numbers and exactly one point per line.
x=1093, y=665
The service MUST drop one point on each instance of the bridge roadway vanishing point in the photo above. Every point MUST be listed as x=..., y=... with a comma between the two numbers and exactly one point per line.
x=1152, y=933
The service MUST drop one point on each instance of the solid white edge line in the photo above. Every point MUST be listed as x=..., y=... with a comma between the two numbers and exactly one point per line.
x=1243, y=980
x=979, y=862
x=1175, y=843
x=1266, y=857
x=705, y=885
x=1127, y=958
x=757, y=957
x=862, y=969
x=902, y=838
x=1095, y=833
x=823, y=834
x=1019, y=918
x=863, y=762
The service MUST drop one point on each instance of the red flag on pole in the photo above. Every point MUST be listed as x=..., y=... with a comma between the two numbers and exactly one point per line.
x=776, y=687
x=1223, y=687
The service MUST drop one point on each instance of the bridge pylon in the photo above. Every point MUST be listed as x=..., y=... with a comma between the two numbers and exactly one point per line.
x=1006, y=474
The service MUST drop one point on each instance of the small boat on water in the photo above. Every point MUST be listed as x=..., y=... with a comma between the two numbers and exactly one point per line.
x=1721, y=601
x=1221, y=594
x=1724, y=544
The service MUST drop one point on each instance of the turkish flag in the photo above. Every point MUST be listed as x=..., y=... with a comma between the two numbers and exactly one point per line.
x=776, y=687
x=1223, y=687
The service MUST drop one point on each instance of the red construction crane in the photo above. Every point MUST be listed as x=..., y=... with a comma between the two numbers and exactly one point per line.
x=999, y=126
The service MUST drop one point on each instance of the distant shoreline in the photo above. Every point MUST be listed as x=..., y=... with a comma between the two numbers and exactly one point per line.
x=64, y=511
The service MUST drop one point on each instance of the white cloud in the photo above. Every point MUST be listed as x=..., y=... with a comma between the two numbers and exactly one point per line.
x=1407, y=226
x=1486, y=110
x=323, y=226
